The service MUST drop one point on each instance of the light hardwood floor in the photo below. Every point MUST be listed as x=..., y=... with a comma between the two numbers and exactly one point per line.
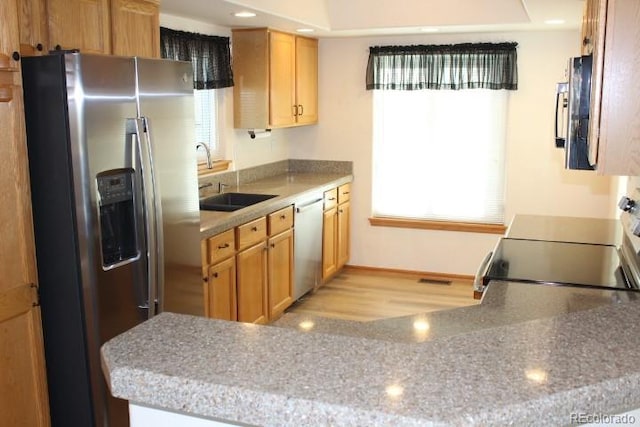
x=370, y=295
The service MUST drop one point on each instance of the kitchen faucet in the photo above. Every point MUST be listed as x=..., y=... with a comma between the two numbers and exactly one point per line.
x=206, y=149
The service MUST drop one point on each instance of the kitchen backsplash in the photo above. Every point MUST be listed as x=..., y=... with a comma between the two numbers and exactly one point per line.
x=244, y=176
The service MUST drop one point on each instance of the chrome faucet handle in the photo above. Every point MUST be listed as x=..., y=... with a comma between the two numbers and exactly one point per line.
x=222, y=186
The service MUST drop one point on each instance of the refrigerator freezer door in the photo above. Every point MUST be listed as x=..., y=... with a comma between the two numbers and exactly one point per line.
x=165, y=103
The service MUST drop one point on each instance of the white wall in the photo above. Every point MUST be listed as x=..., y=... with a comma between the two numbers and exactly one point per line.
x=536, y=181
x=238, y=147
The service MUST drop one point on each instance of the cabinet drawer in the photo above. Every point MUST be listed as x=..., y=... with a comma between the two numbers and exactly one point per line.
x=344, y=193
x=330, y=198
x=220, y=246
x=251, y=233
x=281, y=220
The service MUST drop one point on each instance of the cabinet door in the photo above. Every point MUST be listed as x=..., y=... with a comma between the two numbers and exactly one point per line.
x=251, y=284
x=589, y=26
x=33, y=27
x=618, y=148
x=79, y=24
x=23, y=389
x=344, y=239
x=329, y=240
x=282, y=53
x=135, y=28
x=306, y=80
x=280, y=267
x=9, y=40
x=220, y=290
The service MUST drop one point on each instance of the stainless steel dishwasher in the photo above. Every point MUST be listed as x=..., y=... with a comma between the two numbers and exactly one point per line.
x=307, y=244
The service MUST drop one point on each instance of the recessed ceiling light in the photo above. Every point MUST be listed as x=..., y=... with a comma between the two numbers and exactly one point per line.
x=305, y=30
x=244, y=14
x=429, y=30
x=554, y=21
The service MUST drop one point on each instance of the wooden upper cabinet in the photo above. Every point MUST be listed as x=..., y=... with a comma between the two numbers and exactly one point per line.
x=34, y=35
x=307, y=80
x=276, y=79
x=282, y=74
x=9, y=40
x=79, y=24
x=135, y=28
x=614, y=120
x=590, y=27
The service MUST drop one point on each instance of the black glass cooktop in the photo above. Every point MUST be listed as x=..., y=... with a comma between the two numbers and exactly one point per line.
x=556, y=263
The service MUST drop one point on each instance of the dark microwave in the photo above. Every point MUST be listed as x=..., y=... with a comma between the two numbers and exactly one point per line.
x=572, y=114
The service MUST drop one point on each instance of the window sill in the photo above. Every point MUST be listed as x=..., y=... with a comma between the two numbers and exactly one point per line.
x=469, y=227
x=218, y=166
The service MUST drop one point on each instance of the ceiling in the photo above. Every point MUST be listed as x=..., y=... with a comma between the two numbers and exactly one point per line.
x=343, y=18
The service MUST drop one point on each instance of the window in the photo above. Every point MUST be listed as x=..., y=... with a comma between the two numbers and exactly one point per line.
x=439, y=155
x=211, y=60
x=206, y=120
x=439, y=130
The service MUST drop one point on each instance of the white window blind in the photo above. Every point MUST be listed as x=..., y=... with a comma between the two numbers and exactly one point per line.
x=206, y=119
x=439, y=155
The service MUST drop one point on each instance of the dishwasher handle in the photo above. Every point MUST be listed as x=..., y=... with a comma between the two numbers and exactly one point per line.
x=304, y=206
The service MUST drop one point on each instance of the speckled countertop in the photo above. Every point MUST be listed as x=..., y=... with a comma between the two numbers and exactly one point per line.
x=288, y=186
x=519, y=358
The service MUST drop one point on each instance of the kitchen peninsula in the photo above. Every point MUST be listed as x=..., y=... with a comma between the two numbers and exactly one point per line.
x=528, y=355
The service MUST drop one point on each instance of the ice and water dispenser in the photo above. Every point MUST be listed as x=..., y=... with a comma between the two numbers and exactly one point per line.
x=116, y=203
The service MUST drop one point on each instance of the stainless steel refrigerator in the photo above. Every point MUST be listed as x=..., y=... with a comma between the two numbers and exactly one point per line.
x=115, y=204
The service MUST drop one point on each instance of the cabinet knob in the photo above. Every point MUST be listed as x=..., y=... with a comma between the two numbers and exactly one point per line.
x=254, y=228
x=300, y=109
x=586, y=41
x=215, y=275
x=39, y=47
x=283, y=217
x=15, y=56
x=58, y=47
x=205, y=279
x=225, y=246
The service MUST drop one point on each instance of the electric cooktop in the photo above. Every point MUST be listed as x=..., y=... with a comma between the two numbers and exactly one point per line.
x=558, y=263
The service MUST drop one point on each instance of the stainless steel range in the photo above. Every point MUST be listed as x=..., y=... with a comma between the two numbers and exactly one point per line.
x=563, y=251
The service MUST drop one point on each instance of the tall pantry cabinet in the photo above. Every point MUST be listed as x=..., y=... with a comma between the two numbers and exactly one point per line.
x=23, y=388
x=33, y=27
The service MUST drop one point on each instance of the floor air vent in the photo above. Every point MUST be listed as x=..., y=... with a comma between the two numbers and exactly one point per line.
x=434, y=281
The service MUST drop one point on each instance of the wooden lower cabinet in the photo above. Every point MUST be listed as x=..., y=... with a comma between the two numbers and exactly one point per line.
x=336, y=231
x=280, y=268
x=344, y=235
x=220, y=291
x=252, y=284
x=329, y=242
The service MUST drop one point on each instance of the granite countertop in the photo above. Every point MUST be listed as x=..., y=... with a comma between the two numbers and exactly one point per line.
x=289, y=187
x=518, y=358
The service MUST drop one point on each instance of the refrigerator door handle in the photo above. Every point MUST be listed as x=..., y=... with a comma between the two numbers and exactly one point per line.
x=136, y=128
x=154, y=221
x=134, y=159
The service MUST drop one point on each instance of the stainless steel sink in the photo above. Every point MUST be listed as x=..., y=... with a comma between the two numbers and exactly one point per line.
x=227, y=202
